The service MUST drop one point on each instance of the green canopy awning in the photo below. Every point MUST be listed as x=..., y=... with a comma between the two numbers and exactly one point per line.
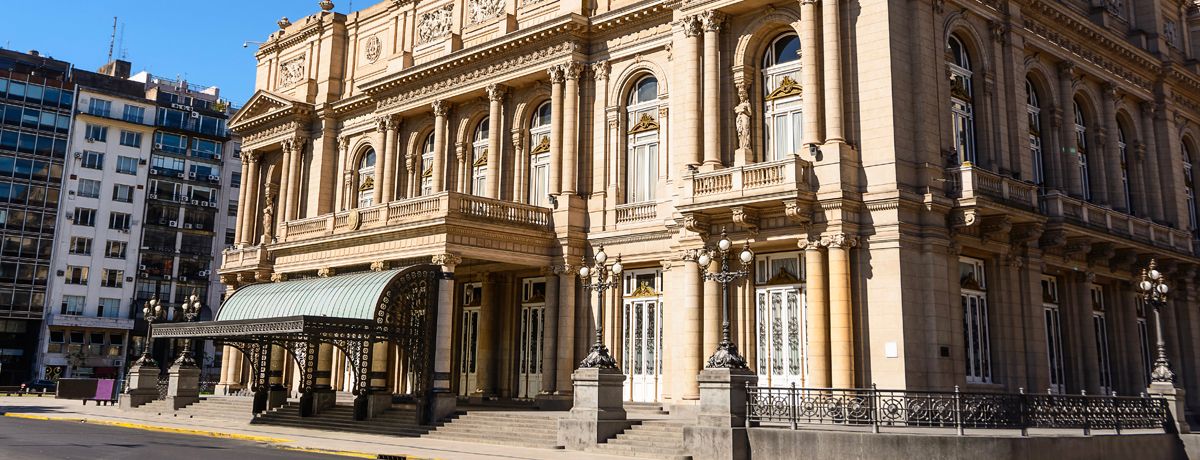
x=354, y=295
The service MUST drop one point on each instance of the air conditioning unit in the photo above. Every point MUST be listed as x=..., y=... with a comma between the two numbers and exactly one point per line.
x=195, y=114
x=204, y=203
x=153, y=196
x=168, y=277
x=174, y=223
x=142, y=267
x=216, y=156
x=180, y=175
x=78, y=154
x=182, y=278
x=90, y=140
x=192, y=174
x=195, y=202
x=70, y=215
x=158, y=145
x=214, y=178
x=142, y=161
x=153, y=171
x=188, y=226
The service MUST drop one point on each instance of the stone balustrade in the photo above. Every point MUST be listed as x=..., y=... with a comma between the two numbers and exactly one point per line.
x=768, y=181
x=636, y=212
x=1082, y=213
x=968, y=182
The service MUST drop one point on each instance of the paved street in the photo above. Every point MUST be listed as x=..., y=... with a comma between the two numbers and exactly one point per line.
x=27, y=439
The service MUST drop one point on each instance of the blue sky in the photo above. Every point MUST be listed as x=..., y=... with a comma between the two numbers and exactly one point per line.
x=200, y=40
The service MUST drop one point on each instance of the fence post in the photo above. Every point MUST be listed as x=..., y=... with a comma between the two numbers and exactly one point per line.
x=874, y=408
x=1116, y=413
x=751, y=395
x=958, y=423
x=794, y=406
x=1087, y=417
x=1023, y=407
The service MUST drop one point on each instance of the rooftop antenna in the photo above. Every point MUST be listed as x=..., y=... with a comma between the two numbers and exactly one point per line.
x=122, y=53
x=112, y=39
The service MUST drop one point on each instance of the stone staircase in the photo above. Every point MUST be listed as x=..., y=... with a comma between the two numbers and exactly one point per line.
x=510, y=428
x=212, y=408
x=660, y=439
x=396, y=421
x=641, y=410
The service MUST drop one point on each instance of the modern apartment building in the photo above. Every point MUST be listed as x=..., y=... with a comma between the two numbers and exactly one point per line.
x=36, y=99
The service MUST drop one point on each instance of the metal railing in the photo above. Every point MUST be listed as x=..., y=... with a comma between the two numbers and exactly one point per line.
x=875, y=408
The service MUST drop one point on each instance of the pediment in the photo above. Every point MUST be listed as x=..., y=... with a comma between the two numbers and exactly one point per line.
x=262, y=104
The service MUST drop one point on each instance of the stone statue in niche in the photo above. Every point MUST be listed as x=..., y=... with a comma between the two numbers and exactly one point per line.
x=434, y=24
x=482, y=10
x=291, y=71
x=268, y=217
x=742, y=120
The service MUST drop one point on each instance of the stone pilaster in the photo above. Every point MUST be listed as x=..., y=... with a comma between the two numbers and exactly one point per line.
x=441, y=110
x=495, y=94
x=557, y=77
x=817, y=313
x=841, y=319
x=712, y=21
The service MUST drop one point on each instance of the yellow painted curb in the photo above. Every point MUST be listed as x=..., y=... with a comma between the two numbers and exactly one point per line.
x=161, y=429
x=342, y=453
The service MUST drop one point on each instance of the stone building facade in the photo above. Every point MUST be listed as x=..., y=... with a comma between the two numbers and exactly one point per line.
x=938, y=193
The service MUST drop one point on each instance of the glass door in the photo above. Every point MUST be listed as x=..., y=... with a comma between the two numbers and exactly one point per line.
x=532, y=338
x=469, y=345
x=641, y=335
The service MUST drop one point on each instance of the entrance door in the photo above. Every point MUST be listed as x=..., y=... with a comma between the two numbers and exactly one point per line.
x=782, y=338
x=1054, y=342
x=532, y=338
x=469, y=346
x=641, y=336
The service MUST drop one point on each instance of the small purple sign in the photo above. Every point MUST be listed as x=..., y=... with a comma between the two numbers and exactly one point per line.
x=104, y=389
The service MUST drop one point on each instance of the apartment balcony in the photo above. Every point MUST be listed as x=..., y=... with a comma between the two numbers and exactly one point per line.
x=758, y=185
x=1088, y=216
x=971, y=186
x=91, y=322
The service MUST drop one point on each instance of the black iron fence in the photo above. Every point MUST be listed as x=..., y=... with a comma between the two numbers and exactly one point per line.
x=875, y=408
x=207, y=386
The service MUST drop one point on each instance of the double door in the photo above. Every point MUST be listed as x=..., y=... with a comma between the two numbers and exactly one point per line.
x=782, y=336
x=468, y=380
x=641, y=334
x=531, y=342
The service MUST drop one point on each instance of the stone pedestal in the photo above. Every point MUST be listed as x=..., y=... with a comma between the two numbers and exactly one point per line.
x=142, y=387
x=444, y=405
x=547, y=401
x=598, y=413
x=276, y=396
x=323, y=399
x=227, y=389
x=377, y=402
x=720, y=431
x=183, y=385
x=1176, y=403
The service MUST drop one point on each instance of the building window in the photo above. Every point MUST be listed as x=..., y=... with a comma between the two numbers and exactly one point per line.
x=1100, y=326
x=366, y=179
x=123, y=193
x=100, y=107
x=1052, y=315
x=88, y=188
x=81, y=245
x=1189, y=189
x=127, y=165
x=641, y=128
x=783, y=119
x=171, y=143
x=962, y=106
x=479, y=162
x=57, y=339
x=976, y=334
x=115, y=341
x=85, y=217
x=1033, y=109
x=233, y=208
x=92, y=160
x=427, y=165
x=230, y=237
x=118, y=221
x=1143, y=339
x=1123, y=150
x=110, y=308
x=96, y=133
x=113, y=278
x=76, y=275
x=134, y=114
x=131, y=139
x=539, y=156
x=72, y=305
x=204, y=148
x=115, y=249
x=235, y=179
x=1081, y=151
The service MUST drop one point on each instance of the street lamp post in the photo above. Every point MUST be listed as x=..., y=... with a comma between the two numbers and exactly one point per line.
x=726, y=356
x=191, y=309
x=152, y=312
x=1153, y=288
x=600, y=278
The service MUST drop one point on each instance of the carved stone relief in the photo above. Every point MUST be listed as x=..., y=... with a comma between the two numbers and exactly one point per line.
x=482, y=10
x=373, y=48
x=291, y=71
x=434, y=24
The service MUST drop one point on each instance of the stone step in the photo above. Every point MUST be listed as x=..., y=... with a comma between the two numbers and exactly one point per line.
x=516, y=423
x=508, y=415
x=366, y=429
x=640, y=452
x=547, y=434
x=385, y=418
x=635, y=435
x=516, y=440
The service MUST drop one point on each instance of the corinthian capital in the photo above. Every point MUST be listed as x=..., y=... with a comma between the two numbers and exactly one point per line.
x=571, y=70
x=441, y=108
x=496, y=92
x=690, y=26
x=600, y=70
x=557, y=74
x=713, y=20
x=446, y=260
x=251, y=156
x=839, y=241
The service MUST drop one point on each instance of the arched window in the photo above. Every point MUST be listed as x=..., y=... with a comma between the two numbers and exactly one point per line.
x=1082, y=151
x=962, y=107
x=366, y=179
x=539, y=156
x=1123, y=150
x=1189, y=190
x=1034, y=110
x=427, y=165
x=641, y=126
x=783, y=119
x=479, y=164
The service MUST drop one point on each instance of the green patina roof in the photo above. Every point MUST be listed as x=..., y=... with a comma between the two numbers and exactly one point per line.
x=353, y=295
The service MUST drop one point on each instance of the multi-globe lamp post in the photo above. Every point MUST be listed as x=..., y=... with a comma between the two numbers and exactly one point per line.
x=714, y=266
x=600, y=278
x=190, y=309
x=152, y=311
x=1153, y=289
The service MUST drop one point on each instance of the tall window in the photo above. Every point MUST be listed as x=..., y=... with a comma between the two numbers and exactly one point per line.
x=1034, y=110
x=1054, y=338
x=976, y=335
x=427, y=165
x=1143, y=339
x=479, y=152
x=539, y=156
x=783, y=119
x=962, y=107
x=366, y=179
x=1081, y=151
x=642, y=130
x=1123, y=149
x=1189, y=190
x=1100, y=326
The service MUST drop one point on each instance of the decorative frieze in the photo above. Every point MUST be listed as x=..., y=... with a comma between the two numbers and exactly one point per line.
x=372, y=48
x=291, y=71
x=434, y=24
x=259, y=137
x=839, y=240
x=483, y=10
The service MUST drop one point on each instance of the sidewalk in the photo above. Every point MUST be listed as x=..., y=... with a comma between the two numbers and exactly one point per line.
x=347, y=444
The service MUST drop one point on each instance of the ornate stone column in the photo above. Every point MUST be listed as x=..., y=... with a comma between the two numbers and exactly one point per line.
x=599, y=134
x=495, y=93
x=387, y=187
x=1070, y=154
x=687, y=62
x=550, y=335
x=832, y=41
x=1112, y=151
x=285, y=185
x=289, y=189
x=713, y=21
x=380, y=143
x=1153, y=194
x=841, y=320
x=570, y=128
x=444, y=399
x=250, y=217
x=441, y=109
x=489, y=323
x=276, y=394
x=817, y=313
x=810, y=57
x=243, y=203
x=712, y=315
x=557, y=76
x=566, y=327
x=226, y=370
x=692, y=342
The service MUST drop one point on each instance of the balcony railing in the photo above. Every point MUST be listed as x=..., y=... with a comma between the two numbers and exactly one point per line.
x=636, y=212
x=419, y=209
x=753, y=181
x=1082, y=213
x=870, y=407
x=97, y=322
x=243, y=257
x=968, y=181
